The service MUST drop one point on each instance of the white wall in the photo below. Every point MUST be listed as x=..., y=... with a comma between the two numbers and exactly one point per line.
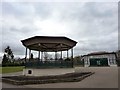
x=110, y=57
x=46, y=72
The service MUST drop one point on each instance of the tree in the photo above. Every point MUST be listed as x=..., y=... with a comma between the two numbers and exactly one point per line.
x=77, y=58
x=46, y=56
x=118, y=57
x=78, y=61
x=9, y=53
x=58, y=56
x=31, y=56
x=4, y=60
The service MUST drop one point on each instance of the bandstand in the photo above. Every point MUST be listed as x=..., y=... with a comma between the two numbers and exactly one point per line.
x=39, y=67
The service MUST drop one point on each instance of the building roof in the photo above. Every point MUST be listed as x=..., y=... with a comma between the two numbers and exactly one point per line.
x=49, y=43
x=99, y=53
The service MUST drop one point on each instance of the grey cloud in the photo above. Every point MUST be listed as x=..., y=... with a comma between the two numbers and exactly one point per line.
x=98, y=44
x=11, y=8
x=93, y=25
x=43, y=10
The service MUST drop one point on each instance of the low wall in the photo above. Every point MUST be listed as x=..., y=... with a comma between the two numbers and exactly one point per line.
x=95, y=69
x=111, y=65
x=45, y=72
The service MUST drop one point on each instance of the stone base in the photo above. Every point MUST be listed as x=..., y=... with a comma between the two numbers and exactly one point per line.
x=46, y=72
x=26, y=80
x=115, y=65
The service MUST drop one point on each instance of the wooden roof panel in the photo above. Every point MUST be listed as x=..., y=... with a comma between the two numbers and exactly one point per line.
x=48, y=43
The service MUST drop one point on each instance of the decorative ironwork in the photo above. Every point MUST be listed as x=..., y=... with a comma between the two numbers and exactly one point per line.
x=49, y=64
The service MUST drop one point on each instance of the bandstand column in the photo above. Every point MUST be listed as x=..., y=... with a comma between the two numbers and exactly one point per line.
x=67, y=53
x=55, y=55
x=61, y=54
x=38, y=55
x=72, y=57
x=41, y=55
x=29, y=53
x=61, y=50
x=72, y=53
x=26, y=54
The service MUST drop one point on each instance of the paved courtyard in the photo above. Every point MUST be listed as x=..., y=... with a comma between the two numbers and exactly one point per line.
x=104, y=77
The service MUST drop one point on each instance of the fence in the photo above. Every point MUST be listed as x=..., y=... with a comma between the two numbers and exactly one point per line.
x=49, y=64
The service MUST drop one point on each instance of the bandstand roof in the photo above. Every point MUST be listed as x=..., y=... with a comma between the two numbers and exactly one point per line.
x=49, y=43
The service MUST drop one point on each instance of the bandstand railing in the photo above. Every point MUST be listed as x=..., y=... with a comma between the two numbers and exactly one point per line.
x=49, y=64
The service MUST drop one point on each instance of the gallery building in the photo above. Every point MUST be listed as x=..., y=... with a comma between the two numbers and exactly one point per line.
x=99, y=59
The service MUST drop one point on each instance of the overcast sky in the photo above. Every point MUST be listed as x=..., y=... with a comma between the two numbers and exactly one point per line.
x=94, y=25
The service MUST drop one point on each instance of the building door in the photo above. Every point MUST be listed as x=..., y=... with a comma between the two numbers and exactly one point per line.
x=104, y=62
x=98, y=62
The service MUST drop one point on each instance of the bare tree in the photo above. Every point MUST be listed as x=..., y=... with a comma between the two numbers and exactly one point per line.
x=46, y=56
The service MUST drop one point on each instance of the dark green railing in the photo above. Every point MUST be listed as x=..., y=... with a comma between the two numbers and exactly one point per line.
x=49, y=64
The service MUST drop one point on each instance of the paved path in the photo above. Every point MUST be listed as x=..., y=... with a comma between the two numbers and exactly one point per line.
x=6, y=85
x=104, y=77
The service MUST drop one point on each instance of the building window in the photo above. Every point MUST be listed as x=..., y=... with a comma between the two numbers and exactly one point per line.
x=98, y=63
x=112, y=61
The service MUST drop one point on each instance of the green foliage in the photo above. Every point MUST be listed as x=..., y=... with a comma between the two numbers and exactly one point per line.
x=8, y=57
x=9, y=52
x=12, y=64
x=78, y=61
x=67, y=59
x=118, y=62
x=5, y=59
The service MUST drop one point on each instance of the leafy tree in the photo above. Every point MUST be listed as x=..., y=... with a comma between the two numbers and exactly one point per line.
x=118, y=57
x=78, y=61
x=4, y=60
x=67, y=59
x=9, y=53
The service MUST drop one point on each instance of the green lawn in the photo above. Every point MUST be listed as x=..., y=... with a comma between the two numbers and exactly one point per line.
x=11, y=69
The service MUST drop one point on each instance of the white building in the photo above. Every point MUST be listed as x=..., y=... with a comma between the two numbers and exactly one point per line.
x=100, y=59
